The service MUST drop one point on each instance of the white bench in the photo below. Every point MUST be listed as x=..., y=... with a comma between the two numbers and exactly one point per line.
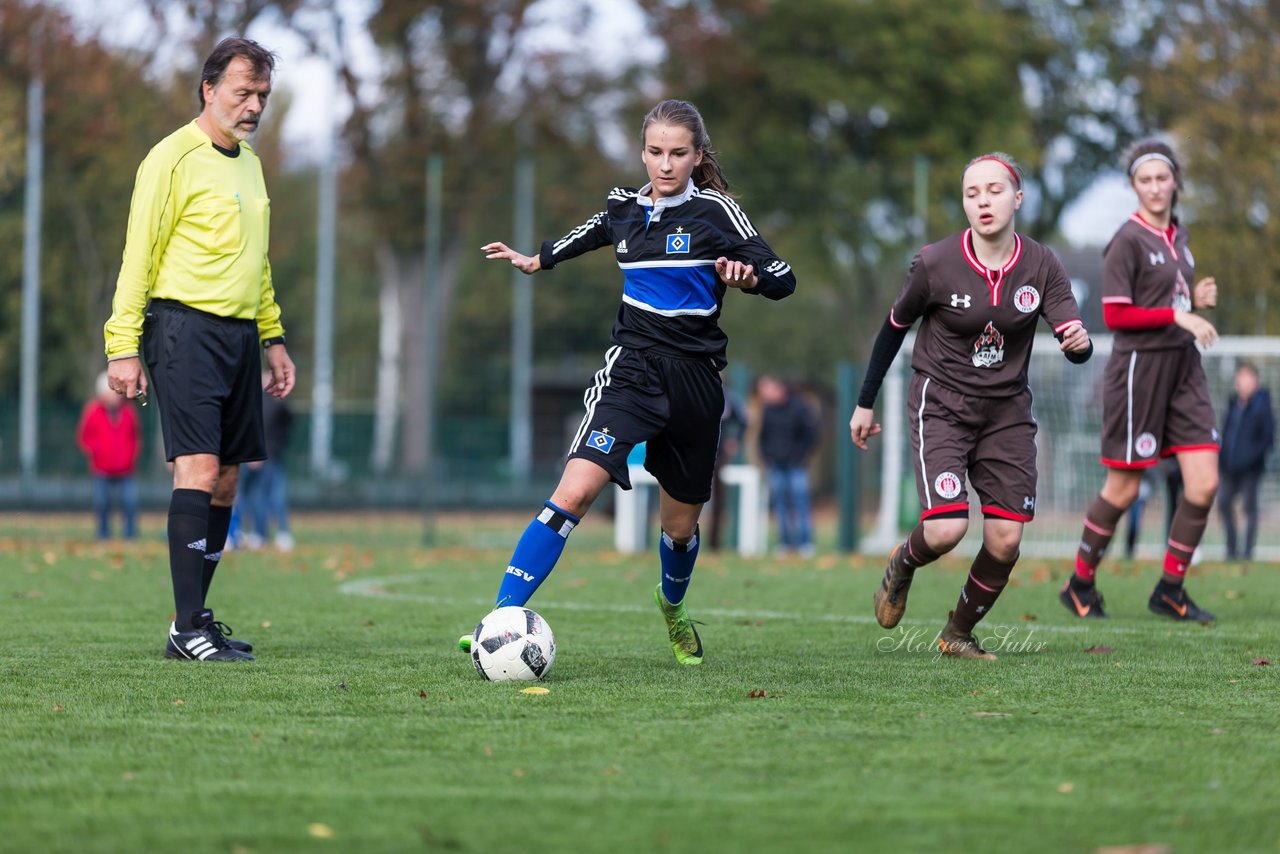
x=631, y=515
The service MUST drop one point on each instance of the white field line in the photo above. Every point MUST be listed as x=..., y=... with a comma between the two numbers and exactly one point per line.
x=376, y=588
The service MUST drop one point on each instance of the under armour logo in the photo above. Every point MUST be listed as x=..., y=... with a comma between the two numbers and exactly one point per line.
x=958, y=301
x=1028, y=503
x=1156, y=258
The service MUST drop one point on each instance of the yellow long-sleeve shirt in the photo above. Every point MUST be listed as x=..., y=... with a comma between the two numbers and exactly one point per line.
x=198, y=229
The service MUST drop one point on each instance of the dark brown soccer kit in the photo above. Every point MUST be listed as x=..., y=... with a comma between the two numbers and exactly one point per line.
x=1156, y=397
x=969, y=405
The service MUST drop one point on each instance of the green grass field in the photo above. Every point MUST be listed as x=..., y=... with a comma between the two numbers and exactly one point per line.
x=361, y=728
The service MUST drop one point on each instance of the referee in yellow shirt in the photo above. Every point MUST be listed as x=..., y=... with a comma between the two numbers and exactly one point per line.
x=195, y=301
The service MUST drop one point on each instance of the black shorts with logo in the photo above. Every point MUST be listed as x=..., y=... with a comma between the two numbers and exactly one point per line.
x=206, y=375
x=672, y=404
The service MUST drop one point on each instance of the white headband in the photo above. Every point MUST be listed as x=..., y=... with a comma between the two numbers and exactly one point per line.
x=1152, y=156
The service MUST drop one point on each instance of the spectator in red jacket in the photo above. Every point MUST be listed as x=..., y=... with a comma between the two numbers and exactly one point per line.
x=110, y=436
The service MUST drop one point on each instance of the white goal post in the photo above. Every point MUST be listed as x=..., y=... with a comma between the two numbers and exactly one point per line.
x=1068, y=407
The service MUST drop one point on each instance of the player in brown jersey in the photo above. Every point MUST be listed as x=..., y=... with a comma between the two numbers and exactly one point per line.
x=979, y=295
x=1156, y=397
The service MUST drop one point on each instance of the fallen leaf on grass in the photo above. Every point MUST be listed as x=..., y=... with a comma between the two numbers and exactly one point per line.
x=422, y=693
x=179, y=702
x=757, y=693
x=993, y=714
x=58, y=707
x=1100, y=650
x=751, y=622
x=1217, y=730
x=1028, y=618
x=342, y=686
x=1066, y=788
x=517, y=772
x=368, y=624
x=1261, y=662
x=127, y=776
x=266, y=624
x=488, y=751
x=319, y=830
x=1233, y=594
x=1148, y=848
x=536, y=689
x=612, y=771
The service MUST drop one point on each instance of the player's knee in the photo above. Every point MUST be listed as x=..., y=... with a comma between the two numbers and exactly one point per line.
x=1201, y=490
x=1122, y=491
x=943, y=535
x=680, y=531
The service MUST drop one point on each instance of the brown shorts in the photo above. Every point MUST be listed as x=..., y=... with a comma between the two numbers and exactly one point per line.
x=991, y=440
x=1155, y=404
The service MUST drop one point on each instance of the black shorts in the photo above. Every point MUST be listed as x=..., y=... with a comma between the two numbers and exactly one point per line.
x=206, y=375
x=671, y=403
x=991, y=441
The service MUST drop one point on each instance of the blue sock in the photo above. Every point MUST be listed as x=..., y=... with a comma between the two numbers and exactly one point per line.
x=677, y=566
x=535, y=555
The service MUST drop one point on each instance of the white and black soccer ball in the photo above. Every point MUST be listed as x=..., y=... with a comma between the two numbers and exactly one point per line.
x=513, y=643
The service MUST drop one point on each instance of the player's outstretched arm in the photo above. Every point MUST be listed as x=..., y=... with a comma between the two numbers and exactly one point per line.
x=862, y=426
x=528, y=264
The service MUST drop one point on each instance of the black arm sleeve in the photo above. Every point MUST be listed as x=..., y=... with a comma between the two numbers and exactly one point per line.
x=1073, y=356
x=886, y=348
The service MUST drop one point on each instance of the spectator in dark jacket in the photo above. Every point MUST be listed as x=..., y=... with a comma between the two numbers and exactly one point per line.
x=110, y=435
x=1248, y=433
x=788, y=435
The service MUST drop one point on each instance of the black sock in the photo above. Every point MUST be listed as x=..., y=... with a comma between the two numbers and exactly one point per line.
x=188, y=529
x=219, y=524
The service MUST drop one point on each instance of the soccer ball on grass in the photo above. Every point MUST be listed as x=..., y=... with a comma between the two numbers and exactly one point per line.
x=513, y=643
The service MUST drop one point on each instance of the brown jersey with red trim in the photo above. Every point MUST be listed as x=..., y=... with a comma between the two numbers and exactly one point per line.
x=1149, y=268
x=979, y=323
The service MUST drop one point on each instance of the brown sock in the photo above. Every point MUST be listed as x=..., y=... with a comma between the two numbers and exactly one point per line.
x=915, y=552
x=1099, y=527
x=1189, y=522
x=987, y=577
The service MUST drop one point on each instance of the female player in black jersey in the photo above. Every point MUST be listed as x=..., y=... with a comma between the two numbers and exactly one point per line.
x=680, y=241
x=979, y=295
x=1155, y=394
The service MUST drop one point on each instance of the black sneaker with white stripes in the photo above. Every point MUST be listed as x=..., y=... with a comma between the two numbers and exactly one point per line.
x=206, y=642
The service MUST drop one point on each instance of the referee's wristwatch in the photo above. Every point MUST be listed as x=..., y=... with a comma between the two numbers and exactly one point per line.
x=267, y=342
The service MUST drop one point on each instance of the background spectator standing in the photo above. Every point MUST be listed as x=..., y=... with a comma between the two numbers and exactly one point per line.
x=1248, y=434
x=733, y=426
x=110, y=435
x=788, y=436
x=264, y=486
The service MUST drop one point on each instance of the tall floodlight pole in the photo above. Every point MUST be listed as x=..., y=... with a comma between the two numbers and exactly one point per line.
x=431, y=324
x=922, y=200
x=28, y=430
x=322, y=384
x=522, y=316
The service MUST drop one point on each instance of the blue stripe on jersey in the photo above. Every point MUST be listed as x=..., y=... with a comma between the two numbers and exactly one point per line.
x=672, y=290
